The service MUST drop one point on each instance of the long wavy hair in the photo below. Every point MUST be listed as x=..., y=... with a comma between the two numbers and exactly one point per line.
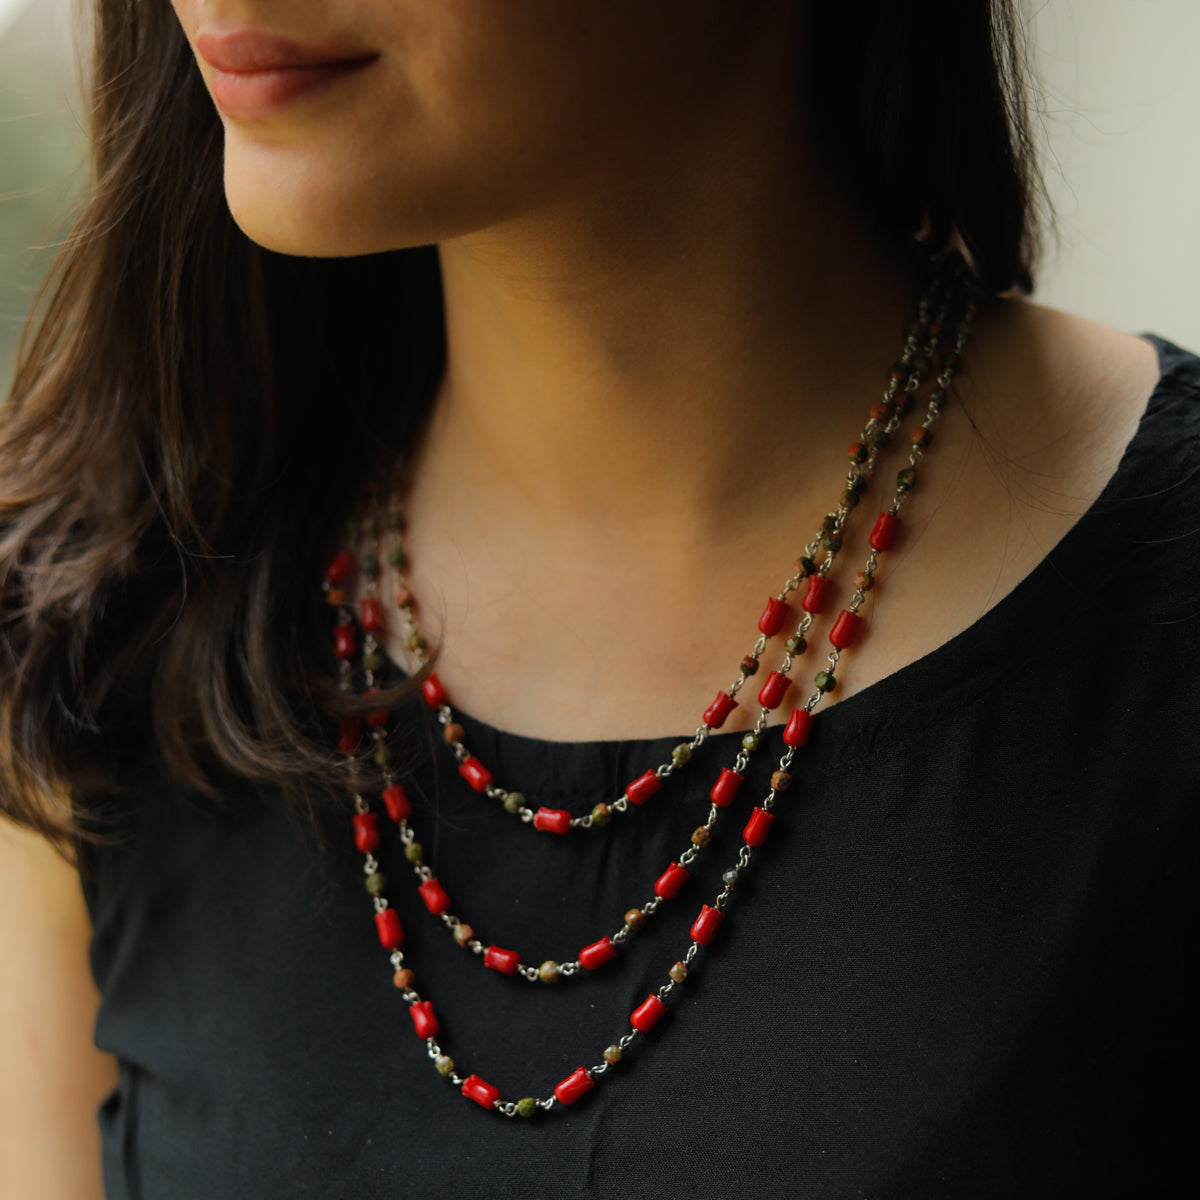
x=173, y=472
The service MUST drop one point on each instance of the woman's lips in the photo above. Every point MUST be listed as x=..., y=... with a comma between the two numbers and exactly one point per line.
x=257, y=73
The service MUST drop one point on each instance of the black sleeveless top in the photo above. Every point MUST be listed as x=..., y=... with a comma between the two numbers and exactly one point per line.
x=956, y=969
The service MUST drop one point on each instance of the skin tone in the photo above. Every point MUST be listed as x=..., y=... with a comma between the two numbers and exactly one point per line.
x=666, y=320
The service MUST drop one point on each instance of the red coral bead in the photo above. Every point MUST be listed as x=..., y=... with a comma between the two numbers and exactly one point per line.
x=575, y=1085
x=648, y=1014
x=597, y=954
x=476, y=774
x=671, y=880
x=773, y=617
x=796, y=732
x=344, y=641
x=757, y=827
x=372, y=614
x=349, y=735
x=504, y=961
x=846, y=629
x=435, y=897
x=483, y=1093
x=423, y=1019
x=433, y=692
x=339, y=570
x=772, y=692
x=366, y=832
x=643, y=787
x=817, y=595
x=719, y=709
x=396, y=803
x=883, y=536
x=725, y=789
x=391, y=932
x=552, y=820
x=705, y=926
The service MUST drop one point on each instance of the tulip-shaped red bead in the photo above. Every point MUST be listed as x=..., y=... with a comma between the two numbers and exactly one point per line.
x=597, y=954
x=423, y=1019
x=475, y=773
x=705, y=926
x=552, y=820
x=433, y=692
x=846, y=629
x=435, y=897
x=772, y=692
x=671, y=880
x=718, y=710
x=817, y=595
x=391, y=932
x=372, y=614
x=648, y=1014
x=796, y=731
x=504, y=961
x=883, y=536
x=349, y=735
x=725, y=789
x=574, y=1086
x=483, y=1093
x=344, y=641
x=396, y=802
x=366, y=832
x=757, y=827
x=339, y=570
x=643, y=787
x=773, y=617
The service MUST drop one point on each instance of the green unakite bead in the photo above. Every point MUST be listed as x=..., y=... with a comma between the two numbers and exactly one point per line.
x=612, y=1055
x=920, y=365
x=850, y=498
x=937, y=398
x=526, y=1106
x=750, y=742
x=906, y=478
x=414, y=852
x=383, y=756
x=679, y=972
x=881, y=439
x=376, y=882
x=514, y=802
x=372, y=661
x=416, y=641
x=832, y=541
x=825, y=681
x=398, y=559
x=635, y=918
x=796, y=645
x=601, y=815
x=444, y=1064
x=702, y=836
x=681, y=753
x=729, y=878
x=829, y=522
x=549, y=971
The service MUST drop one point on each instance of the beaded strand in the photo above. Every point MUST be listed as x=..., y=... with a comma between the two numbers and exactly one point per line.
x=844, y=633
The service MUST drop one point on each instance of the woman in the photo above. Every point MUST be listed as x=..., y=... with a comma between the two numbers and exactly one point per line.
x=677, y=252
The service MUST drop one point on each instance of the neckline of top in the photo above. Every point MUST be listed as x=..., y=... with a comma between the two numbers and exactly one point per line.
x=940, y=681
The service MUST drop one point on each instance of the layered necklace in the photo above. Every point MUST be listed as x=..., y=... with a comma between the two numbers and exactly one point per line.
x=925, y=369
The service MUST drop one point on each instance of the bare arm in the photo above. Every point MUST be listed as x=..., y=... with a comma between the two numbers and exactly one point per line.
x=52, y=1078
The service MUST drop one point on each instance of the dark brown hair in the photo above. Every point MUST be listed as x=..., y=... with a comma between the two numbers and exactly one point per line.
x=174, y=469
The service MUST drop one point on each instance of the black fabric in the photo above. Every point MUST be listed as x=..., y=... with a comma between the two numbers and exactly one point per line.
x=957, y=968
